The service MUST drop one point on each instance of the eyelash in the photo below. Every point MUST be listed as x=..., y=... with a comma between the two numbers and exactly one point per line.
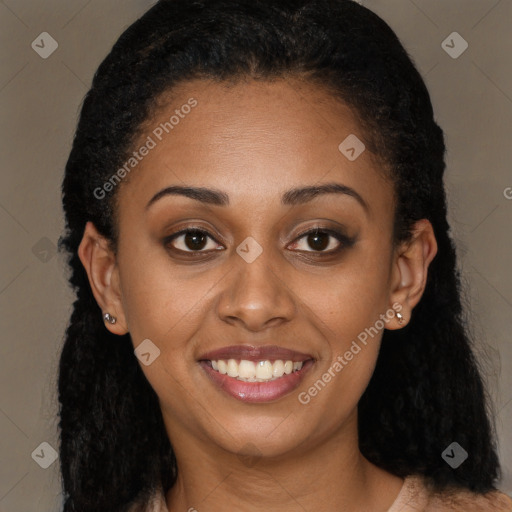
x=344, y=240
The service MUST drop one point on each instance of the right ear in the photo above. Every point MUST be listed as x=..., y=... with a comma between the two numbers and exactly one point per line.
x=100, y=264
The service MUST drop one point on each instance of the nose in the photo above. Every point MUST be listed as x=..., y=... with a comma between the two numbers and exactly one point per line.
x=256, y=296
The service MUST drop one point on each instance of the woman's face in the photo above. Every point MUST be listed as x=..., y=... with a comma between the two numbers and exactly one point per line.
x=255, y=280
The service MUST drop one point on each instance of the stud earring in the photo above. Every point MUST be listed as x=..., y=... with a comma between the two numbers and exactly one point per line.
x=400, y=317
x=109, y=318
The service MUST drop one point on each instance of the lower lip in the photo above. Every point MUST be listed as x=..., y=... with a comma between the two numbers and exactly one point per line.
x=257, y=392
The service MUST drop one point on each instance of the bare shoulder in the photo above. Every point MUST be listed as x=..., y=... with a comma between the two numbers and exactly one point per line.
x=467, y=501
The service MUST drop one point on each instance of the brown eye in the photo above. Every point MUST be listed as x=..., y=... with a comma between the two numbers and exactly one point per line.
x=322, y=241
x=318, y=241
x=191, y=240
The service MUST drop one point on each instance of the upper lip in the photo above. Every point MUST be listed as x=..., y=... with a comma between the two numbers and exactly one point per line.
x=252, y=353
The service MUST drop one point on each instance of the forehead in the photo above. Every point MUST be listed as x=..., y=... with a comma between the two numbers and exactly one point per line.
x=252, y=138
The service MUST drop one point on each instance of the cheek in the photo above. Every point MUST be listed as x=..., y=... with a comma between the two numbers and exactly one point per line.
x=351, y=338
x=155, y=296
x=163, y=306
x=349, y=299
x=348, y=308
x=167, y=304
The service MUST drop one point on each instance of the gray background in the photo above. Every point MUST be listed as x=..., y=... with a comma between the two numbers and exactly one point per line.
x=39, y=103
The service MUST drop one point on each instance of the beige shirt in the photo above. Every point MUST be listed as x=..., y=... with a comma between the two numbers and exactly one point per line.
x=415, y=497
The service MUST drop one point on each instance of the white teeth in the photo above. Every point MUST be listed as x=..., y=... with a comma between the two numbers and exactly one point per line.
x=223, y=367
x=261, y=371
x=264, y=370
x=246, y=369
x=278, y=368
x=232, y=368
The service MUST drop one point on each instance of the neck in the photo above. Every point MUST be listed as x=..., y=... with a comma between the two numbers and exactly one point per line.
x=332, y=475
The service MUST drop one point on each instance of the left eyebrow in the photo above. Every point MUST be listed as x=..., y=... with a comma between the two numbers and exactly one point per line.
x=292, y=197
x=302, y=195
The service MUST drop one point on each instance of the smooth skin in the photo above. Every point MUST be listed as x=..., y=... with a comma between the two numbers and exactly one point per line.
x=254, y=141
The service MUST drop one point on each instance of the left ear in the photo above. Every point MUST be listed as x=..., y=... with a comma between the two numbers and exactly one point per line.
x=410, y=268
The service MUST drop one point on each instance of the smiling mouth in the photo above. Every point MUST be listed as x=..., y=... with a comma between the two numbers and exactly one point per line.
x=256, y=374
x=255, y=371
x=268, y=380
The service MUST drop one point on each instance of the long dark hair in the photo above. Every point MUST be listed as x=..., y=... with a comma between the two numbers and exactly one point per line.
x=426, y=391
